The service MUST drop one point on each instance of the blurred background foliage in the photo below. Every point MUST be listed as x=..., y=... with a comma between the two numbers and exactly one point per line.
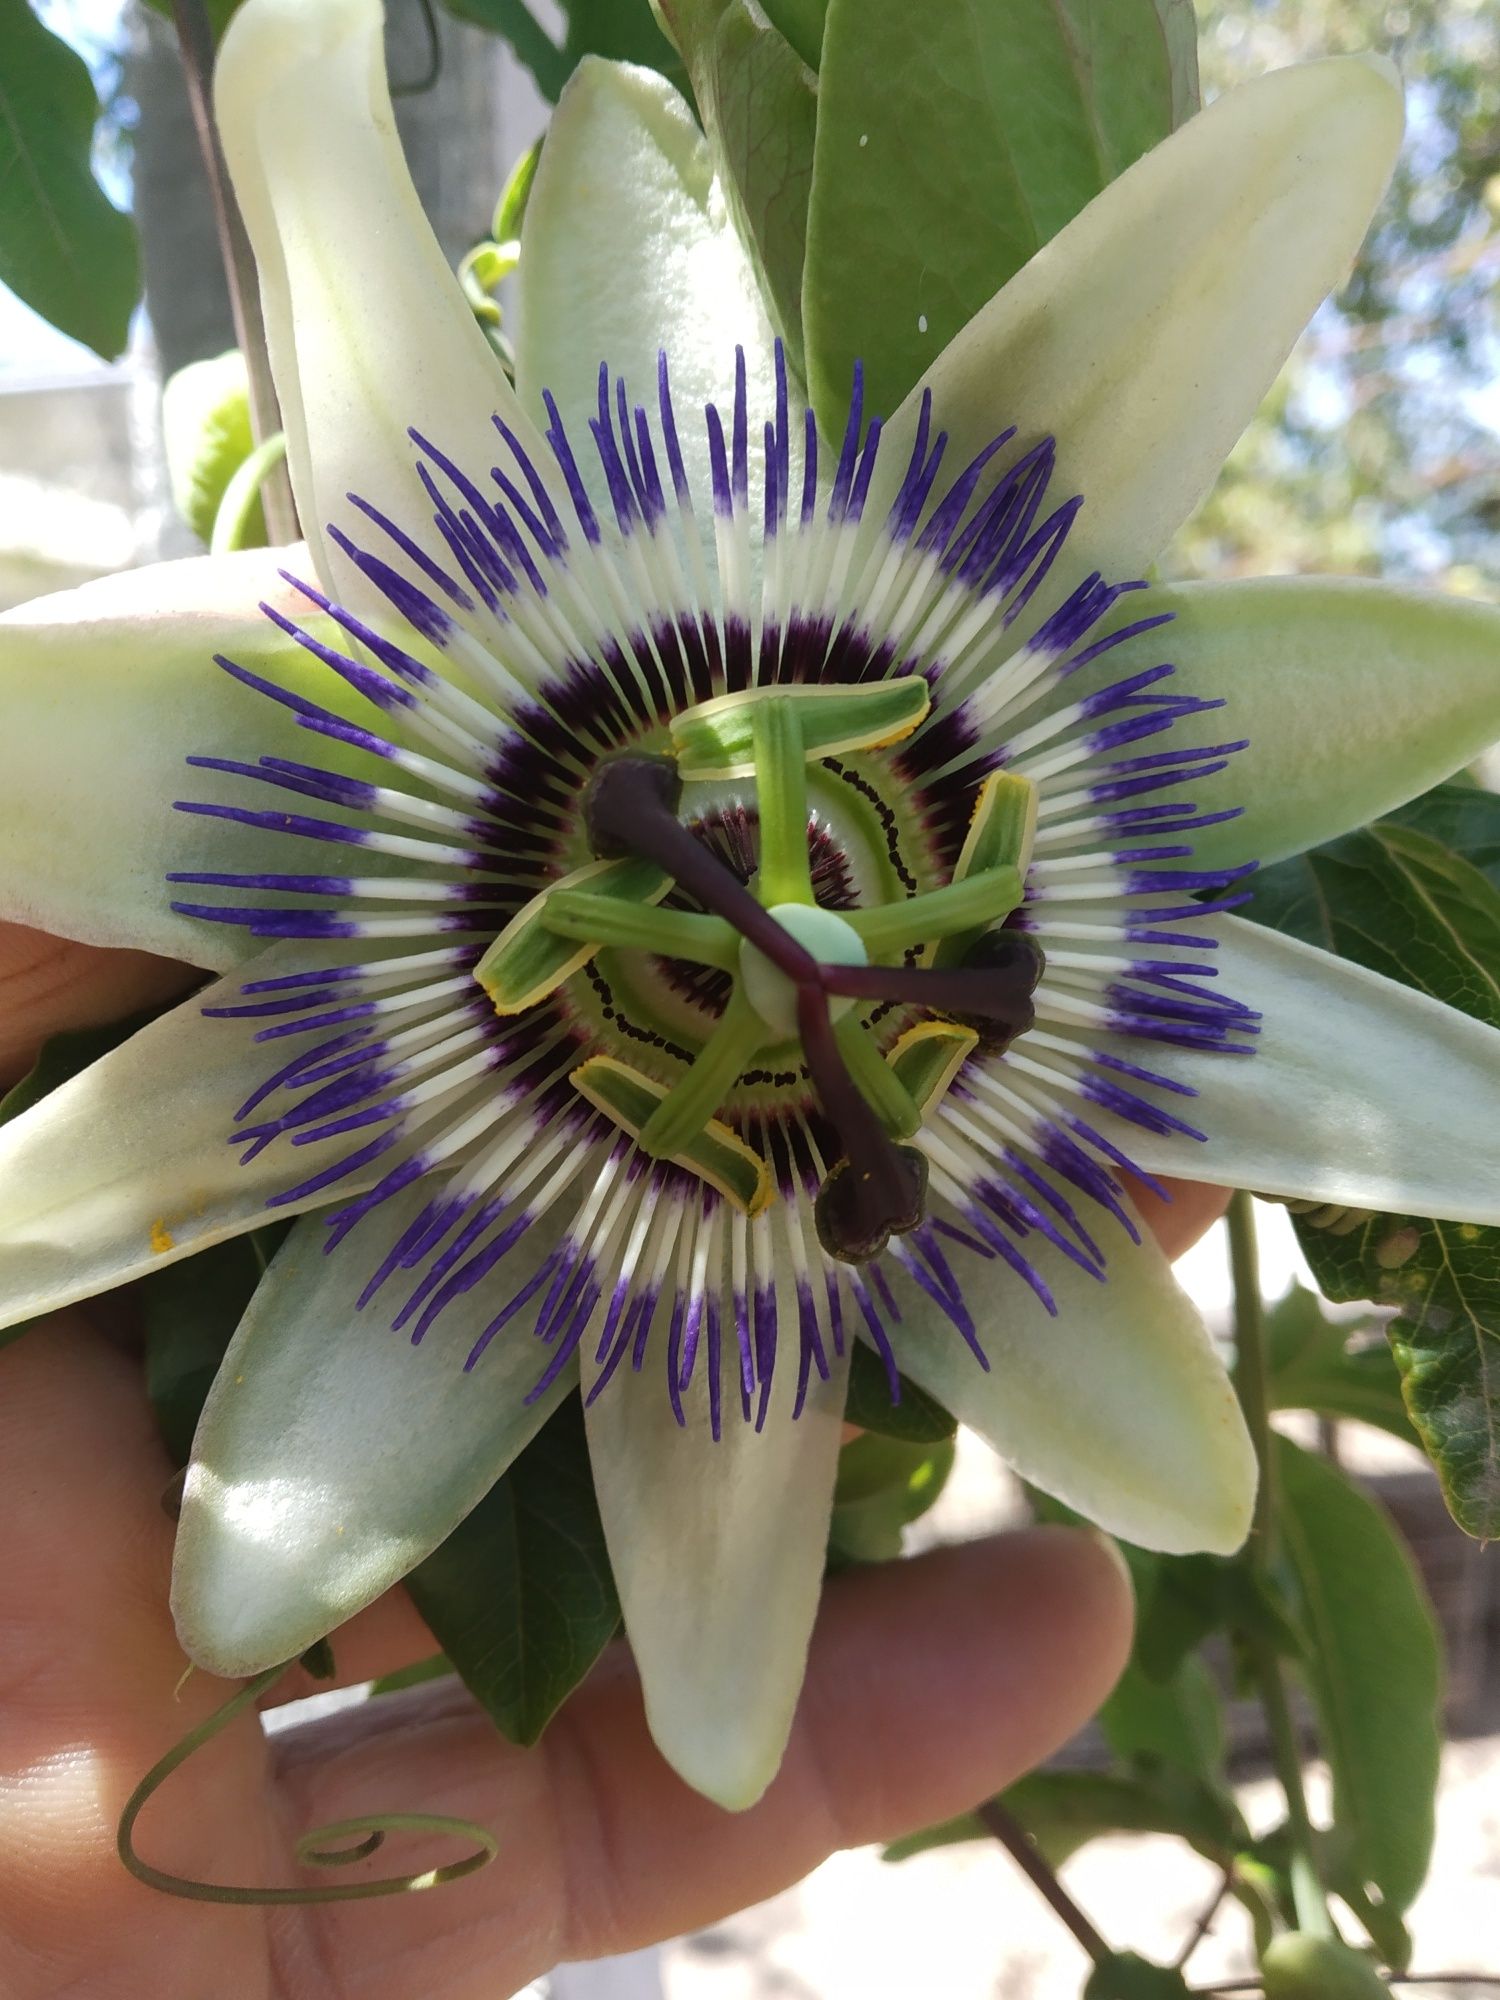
x=1376, y=453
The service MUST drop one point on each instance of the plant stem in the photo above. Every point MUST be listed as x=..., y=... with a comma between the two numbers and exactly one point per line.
x=1202, y=1926
x=195, y=38
x=1018, y=1844
x=1251, y=1381
x=1391, y=1978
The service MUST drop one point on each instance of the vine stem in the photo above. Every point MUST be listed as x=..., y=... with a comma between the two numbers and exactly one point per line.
x=196, y=41
x=1018, y=1844
x=1253, y=1985
x=1251, y=1380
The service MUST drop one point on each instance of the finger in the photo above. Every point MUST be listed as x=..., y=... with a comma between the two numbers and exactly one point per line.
x=932, y=1684
x=1190, y=1211
x=48, y=984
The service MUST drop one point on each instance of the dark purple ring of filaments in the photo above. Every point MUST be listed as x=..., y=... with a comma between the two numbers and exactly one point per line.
x=506, y=555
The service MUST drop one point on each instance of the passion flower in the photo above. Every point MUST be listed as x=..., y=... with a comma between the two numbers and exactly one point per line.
x=695, y=892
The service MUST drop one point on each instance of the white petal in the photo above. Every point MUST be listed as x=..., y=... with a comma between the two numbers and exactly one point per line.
x=1354, y=697
x=1144, y=335
x=367, y=326
x=1120, y=1406
x=627, y=249
x=332, y=1455
x=718, y=1552
x=1361, y=1092
x=127, y=1166
x=106, y=691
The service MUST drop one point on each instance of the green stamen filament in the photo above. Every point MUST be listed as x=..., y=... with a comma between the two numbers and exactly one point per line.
x=781, y=796
x=600, y=920
x=692, y=1102
x=977, y=901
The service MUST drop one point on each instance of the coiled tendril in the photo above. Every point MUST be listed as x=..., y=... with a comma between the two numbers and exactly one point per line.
x=321, y=1848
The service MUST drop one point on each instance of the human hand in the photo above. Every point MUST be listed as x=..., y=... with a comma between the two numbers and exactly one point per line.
x=932, y=1683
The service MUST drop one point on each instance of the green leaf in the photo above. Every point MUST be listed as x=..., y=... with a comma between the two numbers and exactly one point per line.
x=219, y=13
x=205, y=414
x=1313, y=1367
x=520, y=1596
x=1461, y=817
x=1125, y=1975
x=533, y=46
x=620, y=29
x=623, y=30
x=1179, y=1721
x=64, y=248
x=883, y=1486
x=758, y=100
x=1443, y=1278
x=1394, y=898
x=802, y=23
x=1371, y=1667
x=952, y=143
x=918, y=1417
x=1398, y=901
x=188, y=1313
x=1180, y=1600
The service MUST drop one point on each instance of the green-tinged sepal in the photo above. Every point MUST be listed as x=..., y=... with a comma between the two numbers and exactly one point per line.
x=530, y=959
x=779, y=755
x=715, y=1154
x=716, y=740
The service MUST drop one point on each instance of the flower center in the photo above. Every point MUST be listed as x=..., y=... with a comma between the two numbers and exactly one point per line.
x=797, y=971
